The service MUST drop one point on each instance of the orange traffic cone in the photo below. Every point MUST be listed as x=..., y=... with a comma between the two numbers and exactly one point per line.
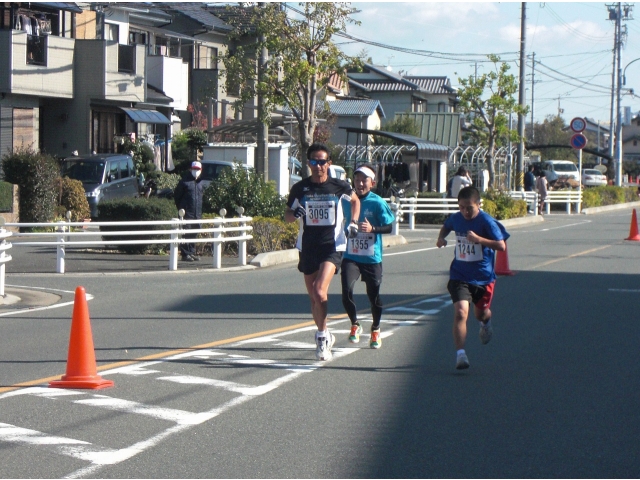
x=502, y=262
x=633, y=231
x=81, y=362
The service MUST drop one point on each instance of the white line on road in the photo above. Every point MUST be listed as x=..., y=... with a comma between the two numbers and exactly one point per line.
x=99, y=456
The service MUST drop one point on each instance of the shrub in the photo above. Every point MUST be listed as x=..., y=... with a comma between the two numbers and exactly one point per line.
x=137, y=209
x=611, y=195
x=591, y=197
x=71, y=197
x=238, y=187
x=271, y=234
x=6, y=197
x=167, y=180
x=505, y=206
x=35, y=174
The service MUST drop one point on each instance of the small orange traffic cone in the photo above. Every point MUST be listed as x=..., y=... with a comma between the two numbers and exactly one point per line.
x=633, y=231
x=81, y=362
x=502, y=262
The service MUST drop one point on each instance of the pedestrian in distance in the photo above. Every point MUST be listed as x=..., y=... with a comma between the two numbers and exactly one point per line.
x=460, y=180
x=529, y=180
x=472, y=275
x=188, y=196
x=543, y=187
x=363, y=258
x=315, y=202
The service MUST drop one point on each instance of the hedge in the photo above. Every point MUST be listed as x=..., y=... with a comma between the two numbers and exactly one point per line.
x=137, y=209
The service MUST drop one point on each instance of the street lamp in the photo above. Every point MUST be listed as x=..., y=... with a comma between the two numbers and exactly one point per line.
x=624, y=76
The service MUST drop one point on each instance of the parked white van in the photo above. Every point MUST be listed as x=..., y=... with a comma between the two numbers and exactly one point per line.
x=562, y=168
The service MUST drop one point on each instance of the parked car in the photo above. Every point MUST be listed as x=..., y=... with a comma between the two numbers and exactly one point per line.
x=562, y=168
x=593, y=178
x=104, y=176
x=211, y=169
x=336, y=171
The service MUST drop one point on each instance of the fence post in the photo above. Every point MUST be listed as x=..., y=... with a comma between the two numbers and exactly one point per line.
x=173, y=246
x=242, y=244
x=60, y=250
x=217, y=246
x=412, y=213
x=535, y=203
x=3, y=246
x=395, y=229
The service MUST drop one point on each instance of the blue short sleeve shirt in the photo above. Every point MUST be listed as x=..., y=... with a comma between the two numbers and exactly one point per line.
x=473, y=263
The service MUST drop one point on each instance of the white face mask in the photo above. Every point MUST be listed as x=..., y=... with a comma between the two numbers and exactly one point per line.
x=195, y=173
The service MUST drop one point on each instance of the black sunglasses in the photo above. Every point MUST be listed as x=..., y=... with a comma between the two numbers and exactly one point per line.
x=315, y=163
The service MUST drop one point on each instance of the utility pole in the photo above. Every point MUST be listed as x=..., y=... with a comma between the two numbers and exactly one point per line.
x=613, y=15
x=262, y=157
x=618, y=116
x=533, y=73
x=521, y=100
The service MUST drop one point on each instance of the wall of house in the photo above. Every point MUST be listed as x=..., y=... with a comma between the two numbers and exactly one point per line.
x=5, y=60
x=631, y=148
x=392, y=103
x=128, y=87
x=86, y=25
x=171, y=75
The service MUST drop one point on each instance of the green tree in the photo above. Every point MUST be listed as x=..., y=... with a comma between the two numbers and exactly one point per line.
x=487, y=101
x=239, y=187
x=303, y=57
x=553, y=131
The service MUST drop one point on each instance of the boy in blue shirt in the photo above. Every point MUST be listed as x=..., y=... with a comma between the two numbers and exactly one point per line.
x=363, y=257
x=472, y=274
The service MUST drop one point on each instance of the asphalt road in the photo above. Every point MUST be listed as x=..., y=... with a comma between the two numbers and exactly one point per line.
x=215, y=374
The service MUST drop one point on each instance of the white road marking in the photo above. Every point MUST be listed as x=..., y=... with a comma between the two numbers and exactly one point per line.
x=625, y=290
x=98, y=456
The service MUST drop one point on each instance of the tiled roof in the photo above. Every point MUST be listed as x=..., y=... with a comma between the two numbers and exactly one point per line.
x=347, y=108
x=423, y=84
x=352, y=107
x=196, y=11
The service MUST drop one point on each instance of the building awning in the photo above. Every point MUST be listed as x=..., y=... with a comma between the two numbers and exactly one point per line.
x=425, y=150
x=145, y=116
x=165, y=33
x=67, y=6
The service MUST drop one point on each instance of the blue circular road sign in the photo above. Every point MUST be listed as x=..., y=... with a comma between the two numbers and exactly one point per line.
x=578, y=141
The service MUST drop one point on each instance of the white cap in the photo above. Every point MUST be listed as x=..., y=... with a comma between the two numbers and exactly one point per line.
x=367, y=170
x=196, y=166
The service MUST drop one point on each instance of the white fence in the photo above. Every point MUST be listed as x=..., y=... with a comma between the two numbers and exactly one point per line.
x=567, y=197
x=4, y=258
x=64, y=236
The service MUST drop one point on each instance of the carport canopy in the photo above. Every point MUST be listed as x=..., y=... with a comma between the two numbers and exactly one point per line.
x=138, y=115
x=425, y=150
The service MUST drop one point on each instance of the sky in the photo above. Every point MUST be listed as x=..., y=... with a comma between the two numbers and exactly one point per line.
x=572, y=42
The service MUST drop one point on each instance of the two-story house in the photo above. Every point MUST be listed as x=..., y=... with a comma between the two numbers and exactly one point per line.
x=403, y=94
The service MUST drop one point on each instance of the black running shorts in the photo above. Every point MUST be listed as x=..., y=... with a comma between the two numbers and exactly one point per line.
x=311, y=258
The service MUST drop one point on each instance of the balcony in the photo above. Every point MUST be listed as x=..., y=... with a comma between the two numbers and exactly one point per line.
x=110, y=71
x=171, y=75
x=36, y=65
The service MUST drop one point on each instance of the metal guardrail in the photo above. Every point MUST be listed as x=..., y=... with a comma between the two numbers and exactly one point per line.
x=63, y=236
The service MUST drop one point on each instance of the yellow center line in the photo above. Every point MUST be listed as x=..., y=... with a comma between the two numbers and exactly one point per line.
x=156, y=356
x=549, y=262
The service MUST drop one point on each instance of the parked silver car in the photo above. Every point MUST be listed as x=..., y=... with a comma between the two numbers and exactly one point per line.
x=104, y=176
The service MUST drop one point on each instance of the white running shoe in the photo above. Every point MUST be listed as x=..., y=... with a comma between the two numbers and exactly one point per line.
x=462, y=362
x=323, y=347
x=486, y=332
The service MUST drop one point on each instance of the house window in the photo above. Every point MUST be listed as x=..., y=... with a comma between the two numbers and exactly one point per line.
x=104, y=126
x=418, y=105
x=126, y=58
x=36, y=50
x=137, y=38
x=111, y=32
x=635, y=143
x=205, y=57
x=442, y=107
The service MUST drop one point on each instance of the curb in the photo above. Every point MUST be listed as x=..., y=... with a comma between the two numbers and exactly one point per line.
x=516, y=222
x=269, y=259
x=608, y=208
